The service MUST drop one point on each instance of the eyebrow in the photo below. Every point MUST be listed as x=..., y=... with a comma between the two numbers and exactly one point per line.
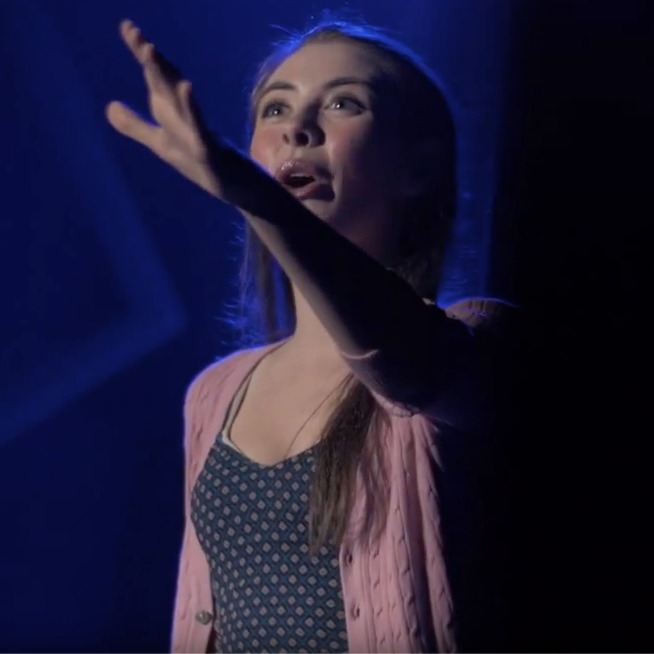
x=281, y=85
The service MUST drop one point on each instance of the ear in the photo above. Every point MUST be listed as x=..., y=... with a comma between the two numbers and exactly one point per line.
x=424, y=163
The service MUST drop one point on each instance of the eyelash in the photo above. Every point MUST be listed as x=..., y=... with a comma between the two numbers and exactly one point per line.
x=345, y=98
x=278, y=104
x=273, y=104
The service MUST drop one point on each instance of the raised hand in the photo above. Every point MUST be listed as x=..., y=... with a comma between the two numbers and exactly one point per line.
x=177, y=133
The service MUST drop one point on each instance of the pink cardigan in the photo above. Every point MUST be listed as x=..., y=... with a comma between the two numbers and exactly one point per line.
x=397, y=595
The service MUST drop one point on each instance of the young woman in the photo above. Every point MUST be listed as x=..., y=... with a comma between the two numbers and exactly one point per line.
x=312, y=480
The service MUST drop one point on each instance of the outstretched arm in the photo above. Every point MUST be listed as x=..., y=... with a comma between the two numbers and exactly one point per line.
x=398, y=345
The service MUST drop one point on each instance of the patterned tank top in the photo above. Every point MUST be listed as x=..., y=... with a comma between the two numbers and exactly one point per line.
x=269, y=594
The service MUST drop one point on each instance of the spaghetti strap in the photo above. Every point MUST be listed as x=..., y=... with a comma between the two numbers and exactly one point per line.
x=234, y=407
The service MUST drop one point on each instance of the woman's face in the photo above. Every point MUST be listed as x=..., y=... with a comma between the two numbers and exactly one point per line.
x=327, y=113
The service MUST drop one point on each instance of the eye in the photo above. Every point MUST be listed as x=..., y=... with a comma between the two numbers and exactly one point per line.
x=272, y=109
x=346, y=103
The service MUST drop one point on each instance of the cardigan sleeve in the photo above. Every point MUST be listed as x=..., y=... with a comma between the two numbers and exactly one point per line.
x=471, y=353
x=182, y=613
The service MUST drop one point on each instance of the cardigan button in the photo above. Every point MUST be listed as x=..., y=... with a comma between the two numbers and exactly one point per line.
x=203, y=617
x=356, y=612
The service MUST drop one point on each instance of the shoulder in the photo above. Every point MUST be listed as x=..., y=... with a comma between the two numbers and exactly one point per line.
x=481, y=352
x=486, y=329
x=471, y=324
x=215, y=374
x=209, y=382
x=482, y=314
x=209, y=391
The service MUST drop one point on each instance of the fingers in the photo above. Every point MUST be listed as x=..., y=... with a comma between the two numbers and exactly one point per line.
x=188, y=106
x=131, y=124
x=161, y=76
x=168, y=90
x=156, y=67
x=134, y=40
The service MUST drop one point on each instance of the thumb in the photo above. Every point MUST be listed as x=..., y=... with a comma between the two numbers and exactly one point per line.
x=129, y=123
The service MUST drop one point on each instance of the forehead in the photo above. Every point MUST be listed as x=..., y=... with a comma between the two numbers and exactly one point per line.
x=316, y=63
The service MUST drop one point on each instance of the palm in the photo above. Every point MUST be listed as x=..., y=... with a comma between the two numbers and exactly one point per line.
x=177, y=134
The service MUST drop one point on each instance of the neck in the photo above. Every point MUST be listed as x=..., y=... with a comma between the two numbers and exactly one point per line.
x=310, y=340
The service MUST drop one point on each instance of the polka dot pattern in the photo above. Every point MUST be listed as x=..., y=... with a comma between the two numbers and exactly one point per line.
x=270, y=595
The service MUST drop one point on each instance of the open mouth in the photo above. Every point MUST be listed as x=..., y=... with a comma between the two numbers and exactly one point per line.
x=306, y=180
x=299, y=180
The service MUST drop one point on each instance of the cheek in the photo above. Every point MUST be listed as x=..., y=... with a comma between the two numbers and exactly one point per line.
x=367, y=158
x=262, y=147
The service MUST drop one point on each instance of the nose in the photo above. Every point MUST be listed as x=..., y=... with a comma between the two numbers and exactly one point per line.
x=303, y=132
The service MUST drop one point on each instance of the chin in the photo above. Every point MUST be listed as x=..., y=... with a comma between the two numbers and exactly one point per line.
x=322, y=209
x=343, y=223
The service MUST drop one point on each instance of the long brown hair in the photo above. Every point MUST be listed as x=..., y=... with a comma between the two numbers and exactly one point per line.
x=349, y=445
